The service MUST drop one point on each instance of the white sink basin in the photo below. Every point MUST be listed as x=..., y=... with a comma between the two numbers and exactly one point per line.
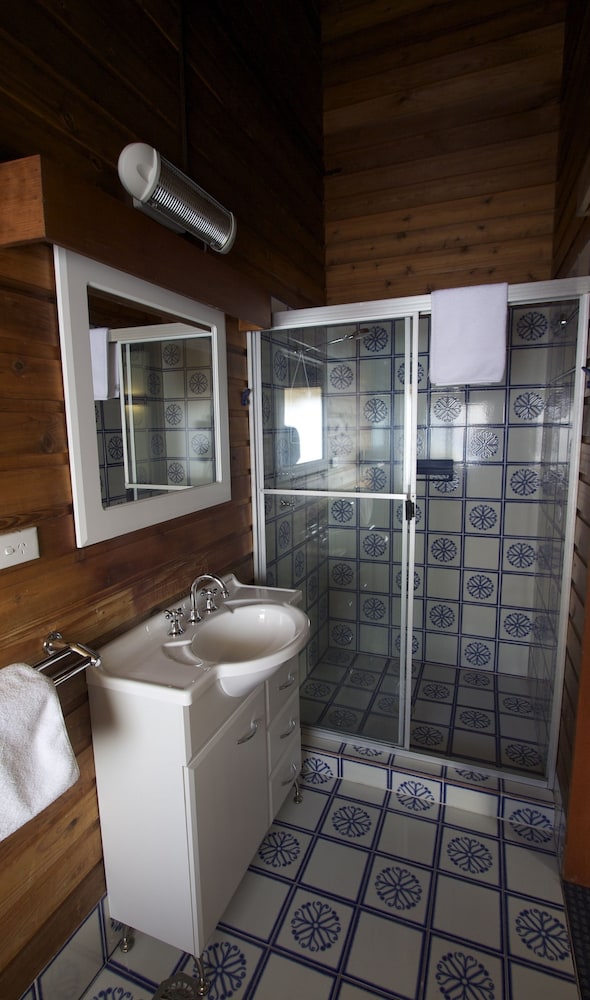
x=248, y=642
x=240, y=645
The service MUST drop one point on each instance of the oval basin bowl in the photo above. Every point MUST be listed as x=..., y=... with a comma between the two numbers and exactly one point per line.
x=248, y=643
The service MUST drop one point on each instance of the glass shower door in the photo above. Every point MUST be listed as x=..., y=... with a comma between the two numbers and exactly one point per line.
x=335, y=511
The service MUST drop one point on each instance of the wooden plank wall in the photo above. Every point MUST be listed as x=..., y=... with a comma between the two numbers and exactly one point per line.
x=79, y=81
x=51, y=869
x=441, y=123
x=572, y=256
x=219, y=88
x=572, y=231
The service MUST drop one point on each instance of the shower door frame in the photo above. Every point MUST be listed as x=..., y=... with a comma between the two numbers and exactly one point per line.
x=411, y=308
x=407, y=530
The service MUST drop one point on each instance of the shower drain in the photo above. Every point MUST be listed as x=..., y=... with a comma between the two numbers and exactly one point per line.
x=179, y=987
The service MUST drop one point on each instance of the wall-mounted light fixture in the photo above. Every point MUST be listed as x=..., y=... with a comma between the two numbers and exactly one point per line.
x=165, y=193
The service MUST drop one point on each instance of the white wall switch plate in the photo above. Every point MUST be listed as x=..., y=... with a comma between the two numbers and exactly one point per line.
x=18, y=547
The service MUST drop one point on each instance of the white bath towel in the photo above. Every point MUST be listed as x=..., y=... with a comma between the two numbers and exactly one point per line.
x=103, y=357
x=468, y=335
x=37, y=763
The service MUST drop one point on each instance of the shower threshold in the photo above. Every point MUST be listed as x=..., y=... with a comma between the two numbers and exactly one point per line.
x=462, y=713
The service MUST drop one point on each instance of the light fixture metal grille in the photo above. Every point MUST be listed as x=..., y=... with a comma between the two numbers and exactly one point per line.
x=192, y=208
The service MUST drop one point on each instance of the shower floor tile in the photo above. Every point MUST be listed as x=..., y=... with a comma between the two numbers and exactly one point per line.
x=471, y=715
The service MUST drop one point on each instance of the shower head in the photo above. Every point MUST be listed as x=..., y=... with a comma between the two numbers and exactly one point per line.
x=364, y=330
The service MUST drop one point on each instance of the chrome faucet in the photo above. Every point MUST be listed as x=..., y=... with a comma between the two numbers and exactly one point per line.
x=210, y=595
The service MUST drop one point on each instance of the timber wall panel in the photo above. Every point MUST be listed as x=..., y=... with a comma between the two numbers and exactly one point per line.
x=441, y=125
x=221, y=90
x=572, y=232
x=207, y=86
x=51, y=869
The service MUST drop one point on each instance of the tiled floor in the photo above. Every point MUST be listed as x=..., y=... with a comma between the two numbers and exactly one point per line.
x=363, y=892
x=467, y=714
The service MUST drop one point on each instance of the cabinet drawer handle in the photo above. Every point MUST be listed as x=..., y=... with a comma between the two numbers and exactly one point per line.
x=253, y=730
x=289, y=682
x=292, y=774
x=291, y=728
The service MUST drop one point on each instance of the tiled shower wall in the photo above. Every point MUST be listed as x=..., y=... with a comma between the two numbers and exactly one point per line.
x=489, y=541
x=173, y=411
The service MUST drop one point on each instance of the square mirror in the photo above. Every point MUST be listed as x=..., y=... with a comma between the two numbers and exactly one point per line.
x=145, y=384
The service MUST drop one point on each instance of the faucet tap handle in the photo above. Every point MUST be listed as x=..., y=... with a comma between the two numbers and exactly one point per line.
x=210, y=596
x=173, y=615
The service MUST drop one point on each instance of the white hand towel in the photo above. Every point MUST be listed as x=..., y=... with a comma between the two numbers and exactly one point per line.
x=468, y=335
x=103, y=357
x=37, y=763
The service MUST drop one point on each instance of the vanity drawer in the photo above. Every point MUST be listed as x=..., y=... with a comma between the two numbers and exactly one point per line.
x=282, y=778
x=281, y=686
x=284, y=731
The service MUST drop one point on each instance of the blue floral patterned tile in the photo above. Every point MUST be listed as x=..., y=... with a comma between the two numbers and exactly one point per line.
x=315, y=927
x=415, y=796
x=430, y=737
x=529, y=823
x=282, y=851
x=475, y=720
x=399, y=889
x=521, y=756
x=462, y=971
x=355, y=823
x=470, y=855
x=538, y=934
x=343, y=718
x=485, y=444
x=230, y=964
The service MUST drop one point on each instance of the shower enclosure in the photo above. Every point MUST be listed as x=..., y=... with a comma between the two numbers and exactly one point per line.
x=429, y=529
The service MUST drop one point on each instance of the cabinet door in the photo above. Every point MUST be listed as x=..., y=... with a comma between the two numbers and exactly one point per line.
x=284, y=731
x=227, y=789
x=281, y=686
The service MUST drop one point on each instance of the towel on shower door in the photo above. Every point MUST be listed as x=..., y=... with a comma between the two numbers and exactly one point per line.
x=468, y=335
x=37, y=763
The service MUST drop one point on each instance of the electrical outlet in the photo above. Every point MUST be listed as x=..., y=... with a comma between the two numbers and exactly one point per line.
x=18, y=547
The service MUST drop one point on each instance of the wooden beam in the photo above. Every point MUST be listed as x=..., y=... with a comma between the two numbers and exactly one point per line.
x=41, y=203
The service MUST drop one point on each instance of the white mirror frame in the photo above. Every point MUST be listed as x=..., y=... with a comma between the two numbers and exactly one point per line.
x=74, y=275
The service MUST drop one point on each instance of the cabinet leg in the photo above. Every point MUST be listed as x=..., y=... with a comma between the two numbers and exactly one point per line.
x=201, y=982
x=297, y=797
x=127, y=941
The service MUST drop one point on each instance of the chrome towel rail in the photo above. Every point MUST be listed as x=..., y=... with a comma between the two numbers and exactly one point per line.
x=70, y=657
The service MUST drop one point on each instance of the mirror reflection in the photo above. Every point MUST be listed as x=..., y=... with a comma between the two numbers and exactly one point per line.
x=154, y=401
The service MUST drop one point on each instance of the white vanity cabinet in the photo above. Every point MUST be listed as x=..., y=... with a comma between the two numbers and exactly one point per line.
x=187, y=789
x=284, y=734
x=227, y=800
